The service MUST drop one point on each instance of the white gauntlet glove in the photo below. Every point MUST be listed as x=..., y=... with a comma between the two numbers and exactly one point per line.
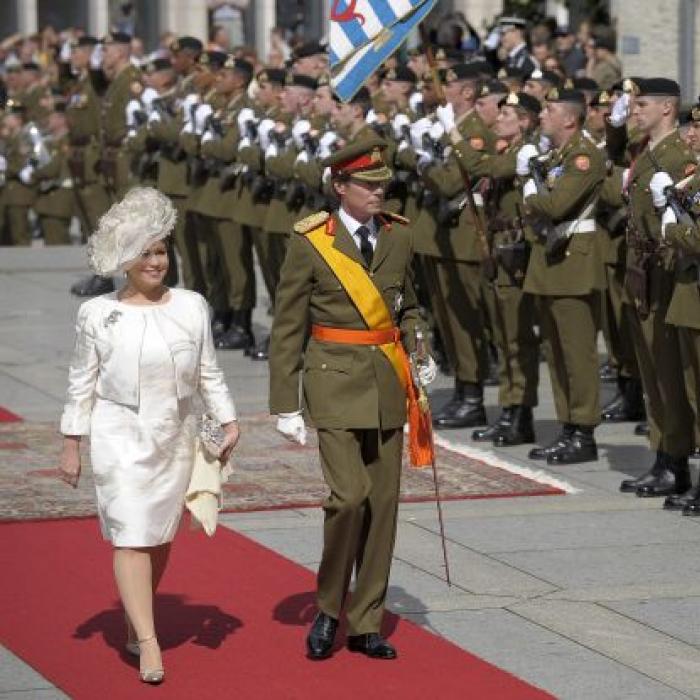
x=659, y=182
x=26, y=174
x=525, y=155
x=529, y=188
x=264, y=129
x=427, y=372
x=620, y=111
x=418, y=129
x=204, y=111
x=325, y=143
x=291, y=425
x=437, y=131
x=244, y=116
x=668, y=217
x=424, y=160
x=299, y=130
x=398, y=124
x=271, y=151
x=415, y=101
x=446, y=115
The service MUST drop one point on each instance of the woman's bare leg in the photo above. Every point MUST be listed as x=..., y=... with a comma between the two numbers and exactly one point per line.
x=159, y=560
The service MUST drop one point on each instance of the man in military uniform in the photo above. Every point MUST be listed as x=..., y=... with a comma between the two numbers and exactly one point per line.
x=565, y=271
x=650, y=283
x=353, y=391
x=34, y=93
x=513, y=43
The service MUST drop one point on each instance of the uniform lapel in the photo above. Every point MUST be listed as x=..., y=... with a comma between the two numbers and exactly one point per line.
x=384, y=243
x=345, y=243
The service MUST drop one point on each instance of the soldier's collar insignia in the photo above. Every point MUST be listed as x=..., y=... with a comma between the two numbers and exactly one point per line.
x=230, y=61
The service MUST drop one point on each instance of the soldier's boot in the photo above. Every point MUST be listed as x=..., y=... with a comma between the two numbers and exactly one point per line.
x=240, y=334
x=580, y=447
x=261, y=351
x=465, y=409
x=93, y=286
x=628, y=404
x=494, y=430
x=660, y=464
x=607, y=373
x=220, y=324
x=674, y=478
x=520, y=431
x=693, y=507
x=678, y=501
x=559, y=442
x=642, y=429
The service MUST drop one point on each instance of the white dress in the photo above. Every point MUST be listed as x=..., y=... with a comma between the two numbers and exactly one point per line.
x=142, y=456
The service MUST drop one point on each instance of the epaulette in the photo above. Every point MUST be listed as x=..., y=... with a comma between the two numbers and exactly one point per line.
x=311, y=222
x=395, y=217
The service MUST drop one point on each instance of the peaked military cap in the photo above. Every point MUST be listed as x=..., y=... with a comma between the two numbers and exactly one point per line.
x=186, y=43
x=310, y=48
x=213, y=59
x=300, y=80
x=116, y=38
x=276, y=76
x=493, y=87
x=485, y=69
x=362, y=95
x=566, y=95
x=657, y=87
x=361, y=159
x=522, y=99
x=401, y=74
x=512, y=72
x=512, y=22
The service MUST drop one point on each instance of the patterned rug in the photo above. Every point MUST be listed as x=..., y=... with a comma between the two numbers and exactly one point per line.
x=270, y=473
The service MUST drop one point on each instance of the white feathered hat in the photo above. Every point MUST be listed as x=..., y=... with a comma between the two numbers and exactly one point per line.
x=128, y=228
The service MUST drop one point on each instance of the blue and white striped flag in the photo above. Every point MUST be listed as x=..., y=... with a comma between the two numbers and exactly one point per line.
x=364, y=33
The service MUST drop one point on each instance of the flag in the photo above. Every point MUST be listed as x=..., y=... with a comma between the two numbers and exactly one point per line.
x=364, y=33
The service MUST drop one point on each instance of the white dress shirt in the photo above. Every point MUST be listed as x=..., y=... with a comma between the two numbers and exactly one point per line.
x=352, y=224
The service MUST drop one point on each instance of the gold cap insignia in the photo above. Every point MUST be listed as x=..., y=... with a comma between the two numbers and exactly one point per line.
x=629, y=86
x=391, y=74
x=569, y=84
x=450, y=75
x=553, y=94
x=175, y=46
x=695, y=114
x=604, y=98
x=440, y=55
x=485, y=91
x=512, y=99
x=204, y=59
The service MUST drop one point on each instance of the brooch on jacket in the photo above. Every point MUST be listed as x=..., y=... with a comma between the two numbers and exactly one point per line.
x=112, y=318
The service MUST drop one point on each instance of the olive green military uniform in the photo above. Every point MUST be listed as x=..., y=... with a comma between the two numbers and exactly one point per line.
x=34, y=100
x=17, y=196
x=568, y=286
x=353, y=397
x=455, y=256
x=668, y=411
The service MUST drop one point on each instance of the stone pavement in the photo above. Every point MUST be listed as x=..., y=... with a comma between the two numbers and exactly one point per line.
x=589, y=595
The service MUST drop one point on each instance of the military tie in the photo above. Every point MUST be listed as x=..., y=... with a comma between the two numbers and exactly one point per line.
x=365, y=246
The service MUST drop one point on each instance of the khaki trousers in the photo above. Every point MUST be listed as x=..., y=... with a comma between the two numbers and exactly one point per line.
x=362, y=469
x=237, y=249
x=689, y=340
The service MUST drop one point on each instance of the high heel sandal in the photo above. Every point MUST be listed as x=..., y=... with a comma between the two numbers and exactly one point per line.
x=155, y=675
x=132, y=644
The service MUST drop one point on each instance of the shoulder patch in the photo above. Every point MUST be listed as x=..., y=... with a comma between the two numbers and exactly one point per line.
x=582, y=163
x=690, y=169
x=477, y=143
x=501, y=146
x=390, y=216
x=311, y=222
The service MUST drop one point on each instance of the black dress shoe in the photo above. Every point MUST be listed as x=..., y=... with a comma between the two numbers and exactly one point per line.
x=464, y=410
x=93, y=286
x=693, y=507
x=558, y=443
x=660, y=463
x=239, y=336
x=493, y=431
x=261, y=351
x=642, y=429
x=520, y=431
x=372, y=645
x=673, y=478
x=579, y=448
x=678, y=501
x=607, y=373
x=628, y=404
x=319, y=642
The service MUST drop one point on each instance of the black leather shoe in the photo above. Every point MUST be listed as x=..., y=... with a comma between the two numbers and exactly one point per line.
x=493, y=431
x=319, y=642
x=372, y=645
x=642, y=429
x=220, y=324
x=678, y=501
x=607, y=372
x=580, y=447
x=261, y=351
x=93, y=286
x=239, y=336
x=693, y=508
x=464, y=410
x=674, y=478
x=660, y=463
x=559, y=443
x=520, y=431
x=628, y=404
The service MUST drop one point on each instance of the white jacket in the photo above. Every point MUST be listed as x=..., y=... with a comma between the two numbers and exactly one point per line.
x=107, y=349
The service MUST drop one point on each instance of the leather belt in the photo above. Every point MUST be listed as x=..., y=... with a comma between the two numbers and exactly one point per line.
x=347, y=336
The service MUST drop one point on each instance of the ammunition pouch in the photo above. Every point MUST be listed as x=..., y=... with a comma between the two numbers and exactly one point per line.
x=172, y=151
x=262, y=189
x=229, y=175
x=449, y=210
x=296, y=195
x=197, y=172
x=514, y=258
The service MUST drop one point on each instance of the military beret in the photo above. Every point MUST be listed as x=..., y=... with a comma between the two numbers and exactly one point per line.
x=240, y=65
x=449, y=53
x=585, y=84
x=485, y=69
x=324, y=80
x=85, y=40
x=157, y=64
x=566, y=95
x=493, y=87
x=604, y=39
x=401, y=74
x=462, y=71
x=300, y=80
x=31, y=65
x=186, y=43
x=213, y=59
x=362, y=95
x=601, y=99
x=546, y=76
x=361, y=159
x=276, y=76
x=522, y=99
x=512, y=22
x=512, y=73
x=310, y=48
x=657, y=87
x=116, y=38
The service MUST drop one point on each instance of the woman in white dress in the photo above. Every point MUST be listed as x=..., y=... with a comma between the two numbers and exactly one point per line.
x=142, y=359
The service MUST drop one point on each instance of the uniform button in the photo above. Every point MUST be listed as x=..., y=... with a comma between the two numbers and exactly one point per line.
x=324, y=365
x=371, y=274
x=372, y=347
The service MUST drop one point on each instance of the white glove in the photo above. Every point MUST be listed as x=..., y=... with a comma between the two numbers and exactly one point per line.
x=418, y=129
x=446, y=115
x=620, y=111
x=190, y=101
x=492, y=41
x=3, y=164
x=271, y=151
x=326, y=177
x=525, y=155
x=245, y=115
x=66, y=49
x=188, y=127
x=325, y=143
x=291, y=425
x=154, y=117
x=245, y=142
x=299, y=130
x=625, y=178
x=96, y=57
x=147, y=97
x=437, y=131
x=427, y=372
x=303, y=157
x=544, y=144
x=204, y=111
x=403, y=145
x=398, y=123
x=264, y=129
x=529, y=188
x=659, y=182
x=424, y=160
x=132, y=107
x=371, y=117
x=415, y=101
x=668, y=217
x=25, y=174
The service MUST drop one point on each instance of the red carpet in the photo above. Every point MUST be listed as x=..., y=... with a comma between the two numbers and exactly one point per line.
x=232, y=619
x=8, y=417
